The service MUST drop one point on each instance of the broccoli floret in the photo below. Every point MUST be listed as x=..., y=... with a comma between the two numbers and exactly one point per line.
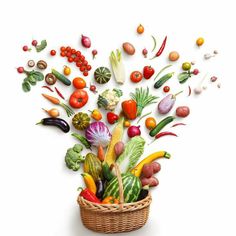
x=73, y=157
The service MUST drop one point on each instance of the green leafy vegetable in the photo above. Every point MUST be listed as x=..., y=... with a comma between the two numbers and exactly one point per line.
x=26, y=86
x=73, y=157
x=117, y=66
x=133, y=151
x=41, y=46
x=31, y=79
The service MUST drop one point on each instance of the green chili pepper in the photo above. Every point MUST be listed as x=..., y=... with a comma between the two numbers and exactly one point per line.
x=161, y=125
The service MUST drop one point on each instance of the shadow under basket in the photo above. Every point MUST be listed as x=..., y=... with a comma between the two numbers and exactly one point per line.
x=114, y=218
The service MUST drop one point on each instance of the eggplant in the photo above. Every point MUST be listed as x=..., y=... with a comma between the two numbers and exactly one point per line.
x=143, y=193
x=166, y=104
x=100, y=188
x=57, y=122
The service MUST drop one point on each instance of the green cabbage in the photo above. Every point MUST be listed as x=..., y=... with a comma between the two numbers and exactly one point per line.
x=133, y=151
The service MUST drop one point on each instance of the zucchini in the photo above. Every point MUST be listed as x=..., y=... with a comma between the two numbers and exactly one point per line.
x=61, y=77
x=162, y=80
x=161, y=125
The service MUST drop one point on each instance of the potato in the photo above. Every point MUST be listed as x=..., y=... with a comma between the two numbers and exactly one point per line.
x=173, y=56
x=147, y=170
x=182, y=111
x=156, y=167
x=151, y=182
x=129, y=48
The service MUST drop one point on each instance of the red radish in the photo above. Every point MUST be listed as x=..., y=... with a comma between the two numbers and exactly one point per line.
x=26, y=48
x=86, y=42
x=195, y=71
x=34, y=43
x=145, y=52
x=93, y=88
x=133, y=131
x=94, y=53
x=20, y=69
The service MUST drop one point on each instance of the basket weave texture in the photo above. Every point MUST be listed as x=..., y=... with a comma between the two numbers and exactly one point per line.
x=114, y=218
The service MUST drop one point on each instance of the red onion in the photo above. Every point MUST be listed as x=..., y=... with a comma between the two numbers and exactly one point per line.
x=133, y=131
x=86, y=42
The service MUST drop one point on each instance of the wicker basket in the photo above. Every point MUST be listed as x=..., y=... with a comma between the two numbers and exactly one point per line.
x=114, y=218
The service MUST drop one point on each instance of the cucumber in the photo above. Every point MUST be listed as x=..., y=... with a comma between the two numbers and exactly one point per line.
x=162, y=80
x=61, y=77
x=161, y=125
x=107, y=172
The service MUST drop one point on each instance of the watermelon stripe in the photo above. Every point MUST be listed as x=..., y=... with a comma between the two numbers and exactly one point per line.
x=131, y=185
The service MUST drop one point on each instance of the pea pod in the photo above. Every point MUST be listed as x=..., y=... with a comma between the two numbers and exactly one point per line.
x=83, y=140
x=161, y=125
x=163, y=79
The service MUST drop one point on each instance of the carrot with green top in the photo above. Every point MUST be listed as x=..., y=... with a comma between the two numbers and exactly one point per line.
x=56, y=101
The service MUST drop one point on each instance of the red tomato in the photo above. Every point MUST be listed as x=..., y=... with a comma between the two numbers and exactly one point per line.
x=78, y=98
x=166, y=89
x=53, y=52
x=136, y=76
x=79, y=83
x=148, y=72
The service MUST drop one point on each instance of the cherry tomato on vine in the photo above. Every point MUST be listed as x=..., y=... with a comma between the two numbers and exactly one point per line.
x=85, y=73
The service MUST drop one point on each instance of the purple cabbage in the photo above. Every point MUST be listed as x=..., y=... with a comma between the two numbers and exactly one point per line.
x=97, y=134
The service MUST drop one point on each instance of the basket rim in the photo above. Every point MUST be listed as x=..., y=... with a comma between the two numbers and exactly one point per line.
x=92, y=206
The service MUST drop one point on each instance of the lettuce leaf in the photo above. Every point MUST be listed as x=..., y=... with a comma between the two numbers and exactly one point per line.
x=133, y=151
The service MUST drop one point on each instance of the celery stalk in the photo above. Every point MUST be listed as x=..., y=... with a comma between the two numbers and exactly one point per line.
x=117, y=66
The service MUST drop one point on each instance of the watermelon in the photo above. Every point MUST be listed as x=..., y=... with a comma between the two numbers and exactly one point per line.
x=131, y=185
x=102, y=75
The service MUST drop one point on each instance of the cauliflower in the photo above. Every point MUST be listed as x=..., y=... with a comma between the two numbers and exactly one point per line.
x=109, y=99
x=73, y=157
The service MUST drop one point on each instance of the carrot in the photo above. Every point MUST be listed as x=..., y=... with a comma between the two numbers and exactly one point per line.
x=100, y=153
x=51, y=99
x=56, y=101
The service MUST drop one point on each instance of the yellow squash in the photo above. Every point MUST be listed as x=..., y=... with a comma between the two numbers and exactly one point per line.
x=137, y=170
x=89, y=182
x=117, y=135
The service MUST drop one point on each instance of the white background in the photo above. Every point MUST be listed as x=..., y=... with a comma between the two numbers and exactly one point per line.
x=196, y=195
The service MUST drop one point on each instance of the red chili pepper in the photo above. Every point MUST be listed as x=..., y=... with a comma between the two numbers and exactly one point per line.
x=112, y=118
x=59, y=93
x=161, y=49
x=174, y=125
x=89, y=195
x=189, y=91
x=164, y=134
x=48, y=88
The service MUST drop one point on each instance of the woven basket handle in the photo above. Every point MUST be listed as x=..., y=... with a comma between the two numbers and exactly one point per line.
x=121, y=190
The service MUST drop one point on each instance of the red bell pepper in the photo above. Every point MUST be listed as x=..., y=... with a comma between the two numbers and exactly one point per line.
x=89, y=195
x=129, y=108
x=112, y=118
